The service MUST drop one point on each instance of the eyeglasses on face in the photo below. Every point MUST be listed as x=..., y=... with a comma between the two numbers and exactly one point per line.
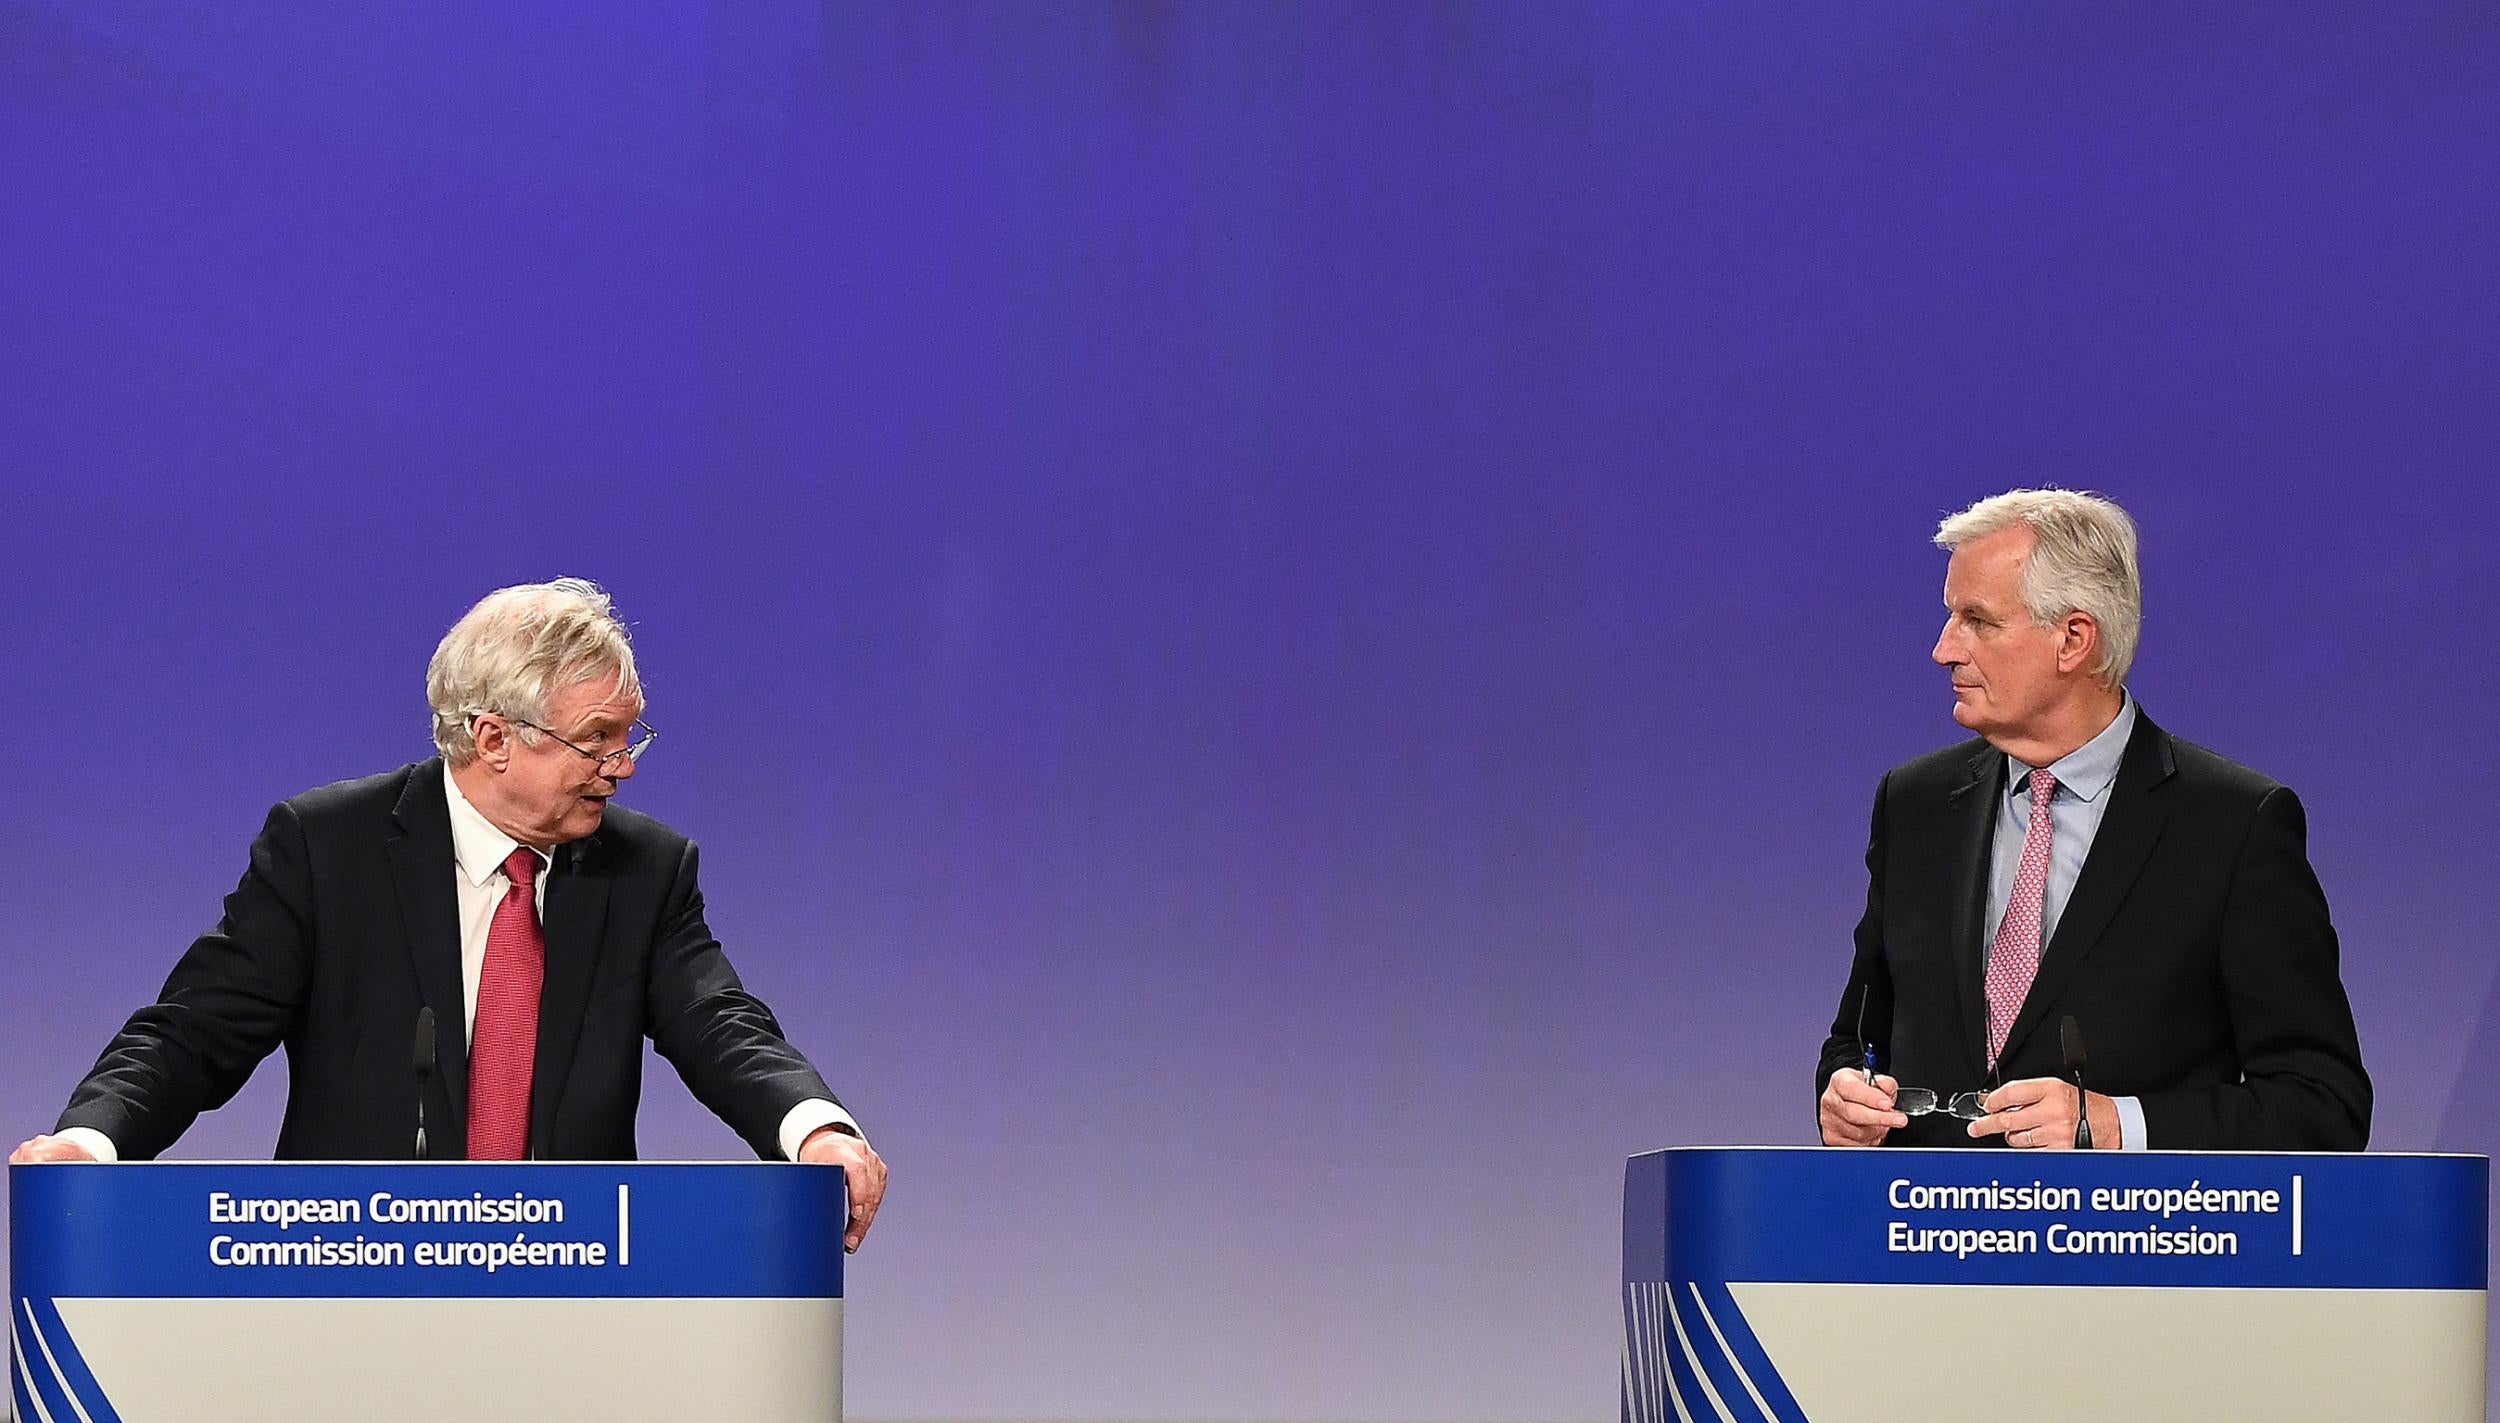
x=606, y=761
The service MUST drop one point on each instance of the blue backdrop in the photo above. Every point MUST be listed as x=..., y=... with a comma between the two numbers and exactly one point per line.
x=1278, y=621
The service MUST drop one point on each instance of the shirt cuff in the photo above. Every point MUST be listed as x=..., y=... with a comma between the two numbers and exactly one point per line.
x=97, y=1143
x=2130, y=1124
x=804, y=1120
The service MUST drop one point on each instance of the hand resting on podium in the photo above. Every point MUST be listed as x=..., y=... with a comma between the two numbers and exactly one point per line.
x=45, y=1147
x=863, y=1173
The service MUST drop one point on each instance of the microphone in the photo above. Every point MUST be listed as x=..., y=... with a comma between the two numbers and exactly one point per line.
x=423, y=1061
x=2070, y=1039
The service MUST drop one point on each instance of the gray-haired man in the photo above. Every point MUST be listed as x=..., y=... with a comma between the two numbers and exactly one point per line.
x=547, y=931
x=2076, y=861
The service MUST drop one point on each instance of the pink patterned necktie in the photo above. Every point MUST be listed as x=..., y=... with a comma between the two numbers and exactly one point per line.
x=2015, y=958
x=503, y=1046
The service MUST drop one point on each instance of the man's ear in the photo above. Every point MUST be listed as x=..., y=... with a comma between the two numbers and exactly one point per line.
x=2078, y=642
x=493, y=736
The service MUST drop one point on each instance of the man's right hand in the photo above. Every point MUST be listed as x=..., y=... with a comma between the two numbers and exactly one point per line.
x=48, y=1148
x=1856, y=1111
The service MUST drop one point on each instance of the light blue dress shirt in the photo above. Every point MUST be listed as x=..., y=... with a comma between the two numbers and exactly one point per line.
x=2084, y=776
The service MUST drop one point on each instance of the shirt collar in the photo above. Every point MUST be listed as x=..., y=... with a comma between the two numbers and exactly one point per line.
x=480, y=848
x=2088, y=769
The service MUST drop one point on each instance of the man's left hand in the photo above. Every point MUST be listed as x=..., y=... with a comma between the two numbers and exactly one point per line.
x=2039, y=1112
x=863, y=1171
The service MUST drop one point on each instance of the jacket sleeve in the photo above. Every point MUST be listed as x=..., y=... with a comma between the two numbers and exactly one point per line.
x=721, y=1039
x=236, y=993
x=2302, y=1085
x=1868, y=995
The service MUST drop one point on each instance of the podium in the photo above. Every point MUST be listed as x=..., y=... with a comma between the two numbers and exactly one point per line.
x=220, y=1292
x=1817, y=1285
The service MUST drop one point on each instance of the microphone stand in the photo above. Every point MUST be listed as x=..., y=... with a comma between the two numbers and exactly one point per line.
x=423, y=1061
x=2070, y=1038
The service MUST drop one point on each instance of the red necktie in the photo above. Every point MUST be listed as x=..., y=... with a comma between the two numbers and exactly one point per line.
x=2016, y=956
x=503, y=1046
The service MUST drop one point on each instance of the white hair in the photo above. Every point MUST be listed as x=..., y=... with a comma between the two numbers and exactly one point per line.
x=518, y=647
x=2082, y=560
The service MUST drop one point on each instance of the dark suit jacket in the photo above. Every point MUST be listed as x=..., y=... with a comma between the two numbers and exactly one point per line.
x=2195, y=953
x=347, y=920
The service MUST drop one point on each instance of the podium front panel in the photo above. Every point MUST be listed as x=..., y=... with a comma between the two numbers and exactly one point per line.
x=1812, y=1285
x=210, y=1292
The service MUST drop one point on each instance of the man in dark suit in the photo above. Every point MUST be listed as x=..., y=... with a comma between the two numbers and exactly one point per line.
x=547, y=932
x=2076, y=861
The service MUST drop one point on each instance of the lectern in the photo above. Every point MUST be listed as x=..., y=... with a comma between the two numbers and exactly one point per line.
x=217, y=1292
x=1807, y=1285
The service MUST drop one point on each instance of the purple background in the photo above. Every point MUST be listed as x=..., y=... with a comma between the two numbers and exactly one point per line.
x=1278, y=622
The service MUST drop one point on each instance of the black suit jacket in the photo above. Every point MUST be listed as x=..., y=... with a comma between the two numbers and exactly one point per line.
x=347, y=921
x=2195, y=953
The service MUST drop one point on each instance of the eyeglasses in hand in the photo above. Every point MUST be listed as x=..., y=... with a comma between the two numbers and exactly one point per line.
x=1924, y=1101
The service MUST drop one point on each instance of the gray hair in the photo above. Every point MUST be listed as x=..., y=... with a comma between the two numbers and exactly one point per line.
x=518, y=647
x=2082, y=561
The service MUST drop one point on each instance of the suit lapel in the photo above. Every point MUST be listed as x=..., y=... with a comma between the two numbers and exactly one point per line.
x=576, y=919
x=422, y=870
x=2129, y=829
x=1970, y=827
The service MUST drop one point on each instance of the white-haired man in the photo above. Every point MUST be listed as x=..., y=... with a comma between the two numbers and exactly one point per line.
x=548, y=933
x=2077, y=862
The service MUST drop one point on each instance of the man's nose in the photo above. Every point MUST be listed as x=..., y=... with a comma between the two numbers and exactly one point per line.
x=1946, y=652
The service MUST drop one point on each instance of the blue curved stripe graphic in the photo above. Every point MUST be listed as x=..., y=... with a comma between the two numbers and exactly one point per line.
x=1685, y=1380
x=49, y=1391
x=1709, y=1401
x=79, y=1380
x=1642, y=1370
x=1723, y=1371
x=1636, y=1370
x=1748, y=1351
x=17, y=1389
x=1645, y=1354
x=1631, y=1365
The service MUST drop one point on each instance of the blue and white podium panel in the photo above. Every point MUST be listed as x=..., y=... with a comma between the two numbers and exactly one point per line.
x=219, y=1293
x=1811, y=1285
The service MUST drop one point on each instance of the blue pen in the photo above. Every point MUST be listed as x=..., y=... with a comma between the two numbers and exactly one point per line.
x=1866, y=1050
